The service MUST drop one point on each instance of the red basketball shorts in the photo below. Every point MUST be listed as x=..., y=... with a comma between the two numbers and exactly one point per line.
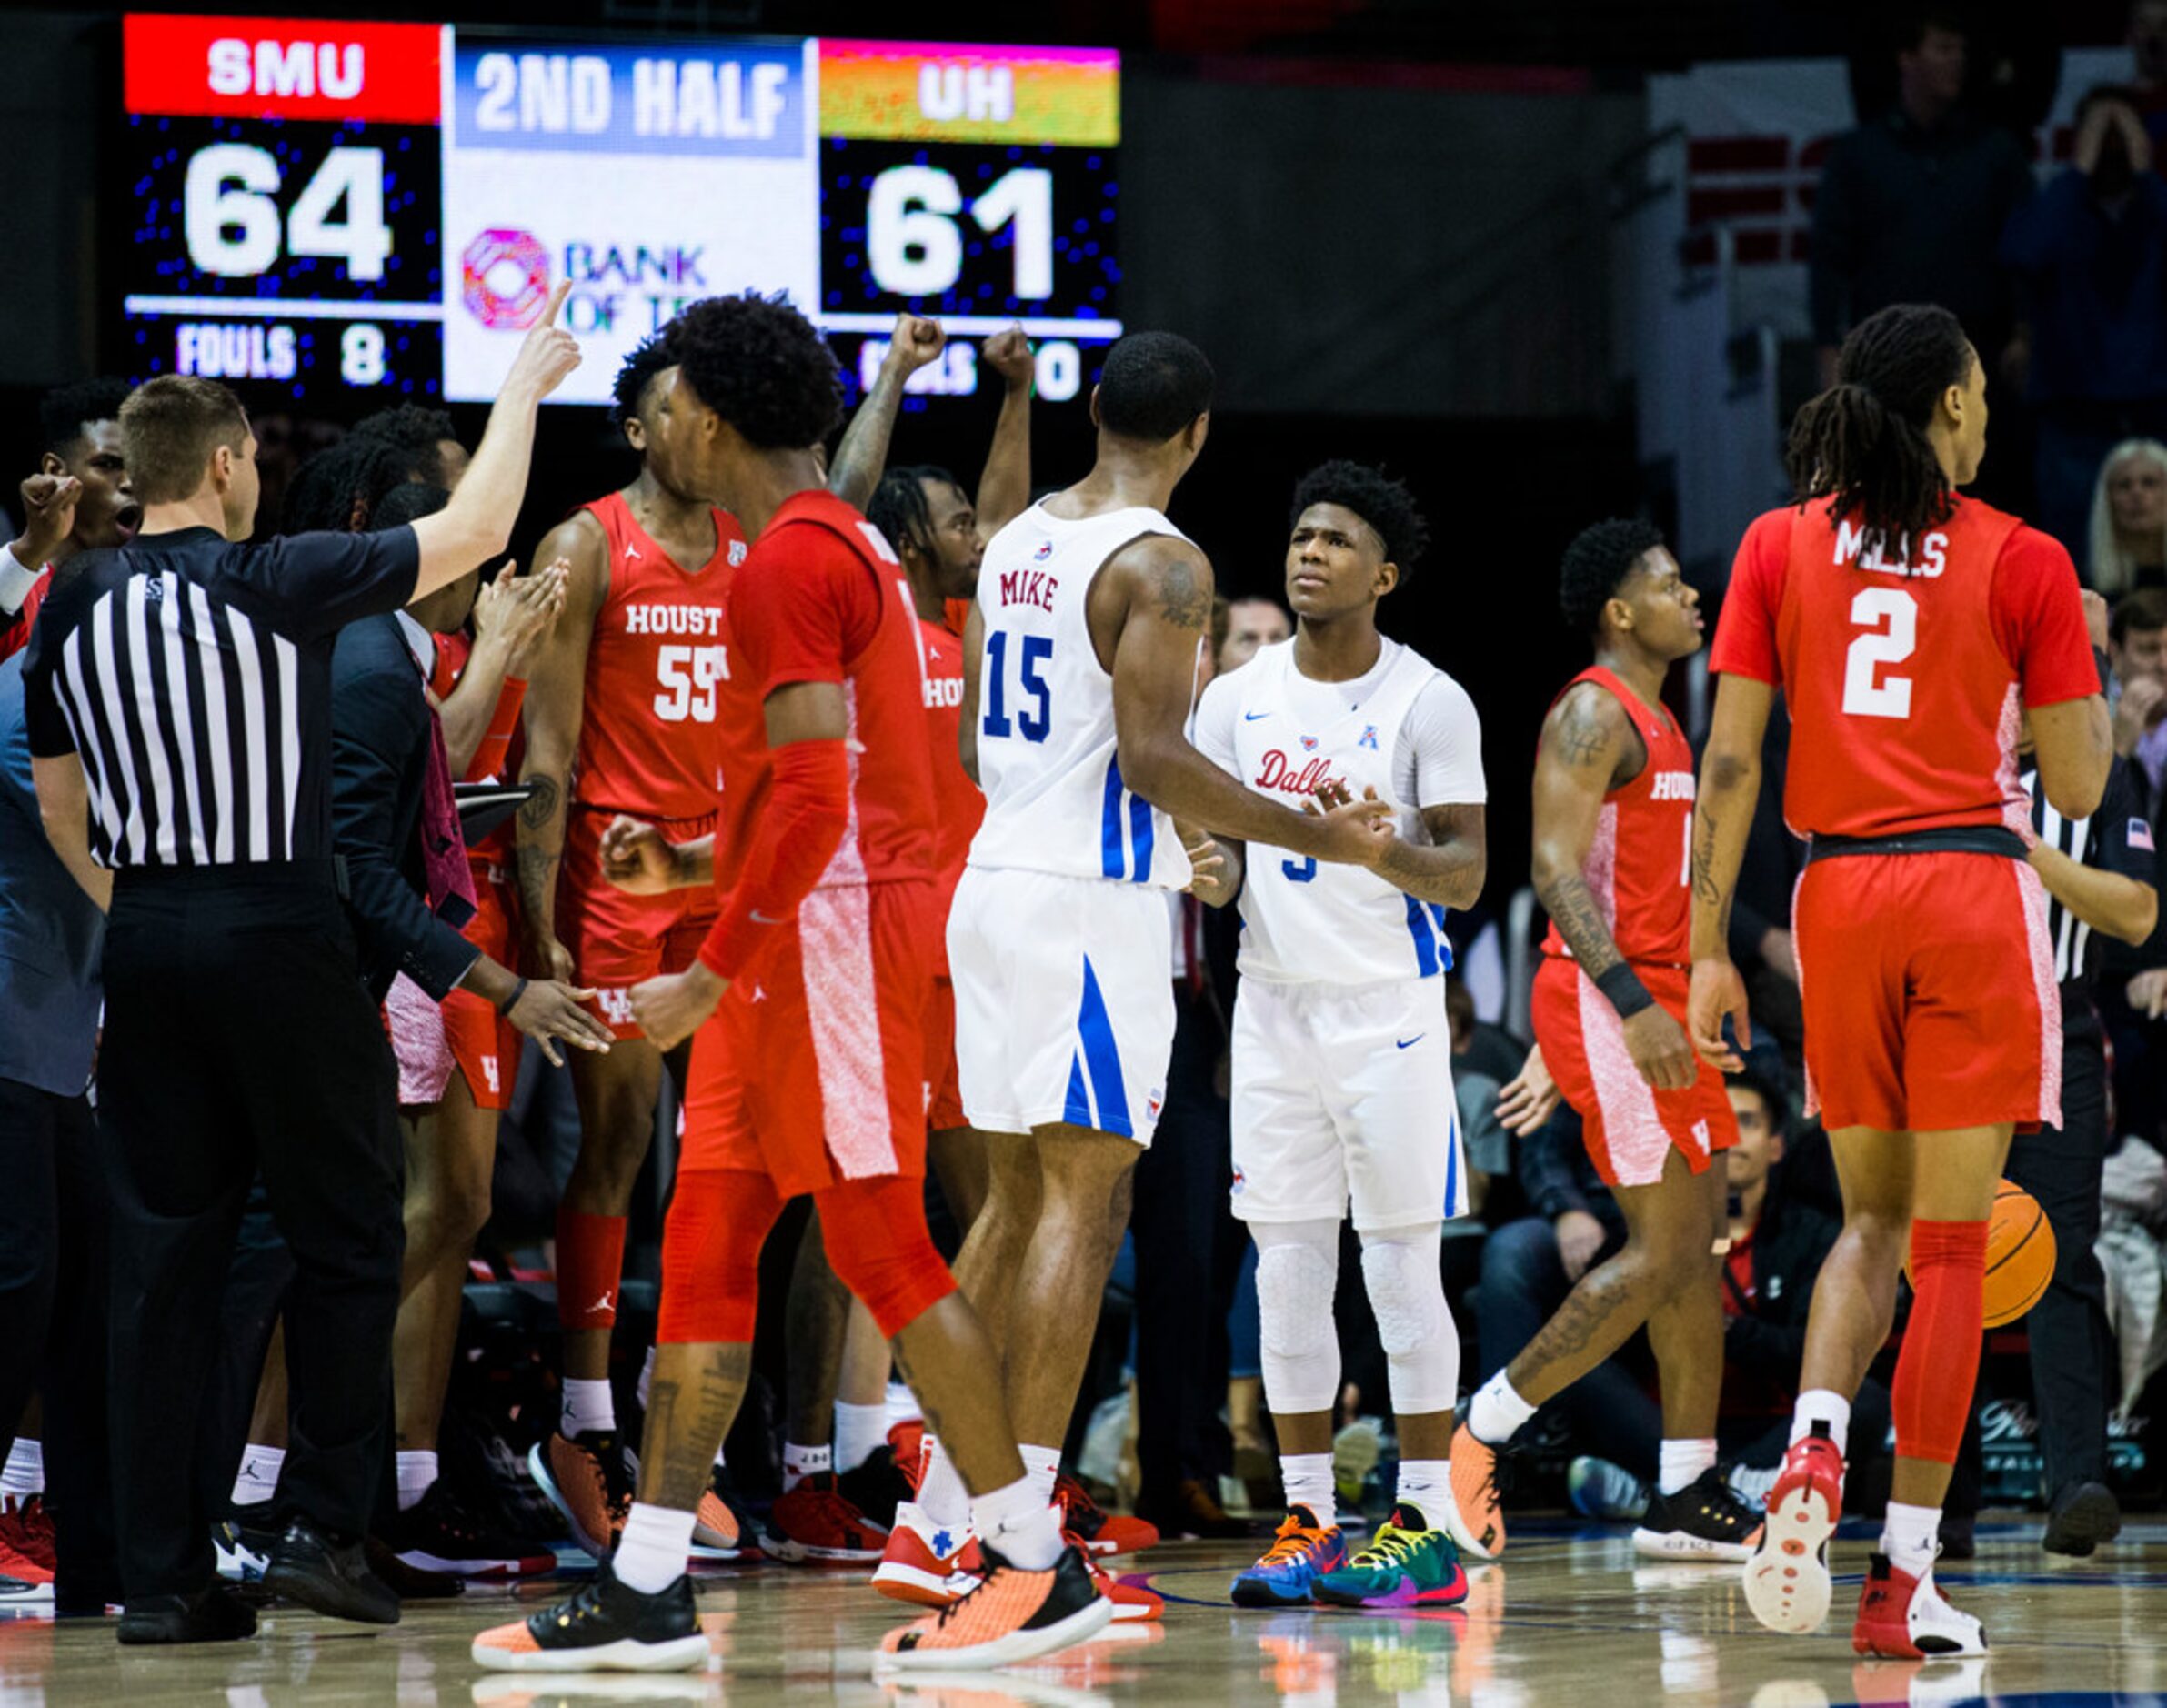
x=814, y=1070
x=944, y=1085
x=484, y=1044
x=1928, y=985
x=619, y=940
x=1629, y=1127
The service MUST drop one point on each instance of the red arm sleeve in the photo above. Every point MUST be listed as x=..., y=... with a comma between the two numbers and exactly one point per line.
x=492, y=756
x=1746, y=627
x=2038, y=620
x=803, y=825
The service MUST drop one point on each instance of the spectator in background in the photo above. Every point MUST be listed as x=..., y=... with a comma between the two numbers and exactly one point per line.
x=2088, y=254
x=1912, y=205
x=2137, y=654
x=1251, y=623
x=2128, y=542
x=2148, y=63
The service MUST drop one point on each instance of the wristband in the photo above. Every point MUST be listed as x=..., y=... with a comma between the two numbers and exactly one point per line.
x=511, y=1001
x=1621, y=985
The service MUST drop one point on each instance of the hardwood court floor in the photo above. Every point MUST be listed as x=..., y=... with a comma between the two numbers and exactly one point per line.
x=1568, y=1617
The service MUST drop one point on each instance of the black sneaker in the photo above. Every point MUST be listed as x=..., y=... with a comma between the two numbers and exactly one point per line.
x=1011, y=1616
x=212, y=1615
x=437, y=1534
x=605, y=1627
x=1703, y=1521
x=2083, y=1515
x=876, y=1487
x=331, y=1577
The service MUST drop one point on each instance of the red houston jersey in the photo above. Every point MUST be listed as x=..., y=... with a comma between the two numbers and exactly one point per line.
x=1639, y=863
x=647, y=742
x=16, y=635
x=822, y=599
x=956, y=799
x=492, y=760
x=1905, y=680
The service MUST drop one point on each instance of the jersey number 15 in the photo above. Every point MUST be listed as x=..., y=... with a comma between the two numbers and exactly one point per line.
x=1033, y=720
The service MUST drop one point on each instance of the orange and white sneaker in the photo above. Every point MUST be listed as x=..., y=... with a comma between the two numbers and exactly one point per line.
x=815, y=1524
x=1906, y=1618
x=1787, y=1577
x=926, y=1563
x=1101, y=1533
x=1476, y=1519
x=588, y=1480
x=604, y=1626
x=1013, y=1616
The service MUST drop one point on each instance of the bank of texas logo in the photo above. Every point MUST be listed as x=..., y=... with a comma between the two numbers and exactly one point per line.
x=505, y=279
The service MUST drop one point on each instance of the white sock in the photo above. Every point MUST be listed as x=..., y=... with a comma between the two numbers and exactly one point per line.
x=1020, y=1522
x=719, y=1460
x=651, y=1554
x=1042, y=1465
x=1909, y=1536
x=258, y=1480
x=1683, y=1463
x=416, y=1473
x=902, y=1405
x=1425, y=1484
x=800, y=1462
x=588, y=1405
x=26, y=1473
x=940, y=1491
x=858, y=1430
x=1827, y=1408
x=1497, y=1411
x=1308, y=1480
x=647, y=1377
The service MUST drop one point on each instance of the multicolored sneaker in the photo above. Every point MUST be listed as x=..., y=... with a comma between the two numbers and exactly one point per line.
x=1013, y=1615
x=1477, y=1518
x=1906, y=1618
x=605, y=1627
x=815, y=1524
x=1787, y=1577
x=722, y=1529
x=926, y=1563
x=1703, y=1521
x=588, y=1479
x=1102, y=1533
x=1301, y=1551
x=1131, y=1602
x=1406, y=1565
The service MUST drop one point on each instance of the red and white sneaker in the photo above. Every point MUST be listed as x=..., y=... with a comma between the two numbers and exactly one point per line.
x=908, y=1442
x=1099, y=1532
x=1787, y=1577
x=1907, y=1618
x=926, y=1563
x=27, y=1528
x=1131, y=1601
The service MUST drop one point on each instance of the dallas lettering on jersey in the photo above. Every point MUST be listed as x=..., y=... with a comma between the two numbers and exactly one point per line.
x=1934, y=554
x=672, y=619
x=1275, y=771
x=1028, y=586
x=1672, y=786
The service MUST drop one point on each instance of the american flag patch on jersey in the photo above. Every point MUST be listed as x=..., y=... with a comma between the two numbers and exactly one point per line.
x=2141, y=835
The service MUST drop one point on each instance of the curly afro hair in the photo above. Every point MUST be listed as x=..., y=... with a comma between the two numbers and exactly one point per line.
x=63, y=414
x=653, y=355
x=1596, y=565
x=762, y=366
x=1384, y=503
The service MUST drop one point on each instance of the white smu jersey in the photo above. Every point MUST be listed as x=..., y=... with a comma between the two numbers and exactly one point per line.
x=1407, y=730
x=1055, y=800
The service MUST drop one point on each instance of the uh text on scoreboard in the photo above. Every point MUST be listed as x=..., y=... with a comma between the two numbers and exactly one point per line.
x=297, y=164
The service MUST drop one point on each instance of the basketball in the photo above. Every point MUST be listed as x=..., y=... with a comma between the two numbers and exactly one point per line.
x=2019, y=1255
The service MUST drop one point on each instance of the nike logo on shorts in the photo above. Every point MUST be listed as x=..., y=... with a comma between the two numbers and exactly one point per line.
x=1408, y=1043
x=1250, y=717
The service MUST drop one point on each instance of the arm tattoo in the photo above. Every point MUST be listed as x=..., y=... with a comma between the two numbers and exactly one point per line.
x=1181, y=602
x=1572, y=909
x=1448, y=869
x=686, y=1423
x=540, y=807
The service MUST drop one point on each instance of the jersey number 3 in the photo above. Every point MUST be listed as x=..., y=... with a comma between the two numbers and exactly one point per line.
x=1033, y=722
x=1891, y=618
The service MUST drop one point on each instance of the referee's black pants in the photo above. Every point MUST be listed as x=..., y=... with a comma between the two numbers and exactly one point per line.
x=2073, y=1348
x=239, y=1037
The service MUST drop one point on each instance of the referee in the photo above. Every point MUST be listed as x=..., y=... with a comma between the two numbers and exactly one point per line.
x=2098, y=876
x=178, y=698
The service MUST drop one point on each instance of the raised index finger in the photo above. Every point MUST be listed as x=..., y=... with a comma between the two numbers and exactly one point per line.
x=556, y=302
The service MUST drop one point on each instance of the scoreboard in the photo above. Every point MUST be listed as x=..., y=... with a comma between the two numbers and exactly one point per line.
x=379, y=210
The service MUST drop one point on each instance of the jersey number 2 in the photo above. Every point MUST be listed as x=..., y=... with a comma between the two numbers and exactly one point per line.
x=1890, y=619
x=1032, y=725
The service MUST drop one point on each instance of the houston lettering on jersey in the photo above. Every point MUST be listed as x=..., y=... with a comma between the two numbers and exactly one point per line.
x=1028, y=586
x=1671, y=786
x=699, y=620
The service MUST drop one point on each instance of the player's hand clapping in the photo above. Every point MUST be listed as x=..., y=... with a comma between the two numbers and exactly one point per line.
x=1360, y=830
x=549, y=1010
x=671, y=1008
x=1529, y=1098
x=1717, y=994
x=548, y=354
x=639, y=859
x=514, y=611
x=48, y=517
x=1008, y=354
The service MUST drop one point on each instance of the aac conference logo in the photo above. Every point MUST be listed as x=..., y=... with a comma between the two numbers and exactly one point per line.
x=505, y=277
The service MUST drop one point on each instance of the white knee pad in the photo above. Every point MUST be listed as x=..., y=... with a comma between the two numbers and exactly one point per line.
x=1297, y=1269
x=1407, y=1295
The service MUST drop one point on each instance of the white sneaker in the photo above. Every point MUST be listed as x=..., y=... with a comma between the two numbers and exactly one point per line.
x=1907, y=1618
x=926, y=1563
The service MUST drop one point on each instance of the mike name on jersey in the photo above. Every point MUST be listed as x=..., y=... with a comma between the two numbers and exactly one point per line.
x=1028, y=586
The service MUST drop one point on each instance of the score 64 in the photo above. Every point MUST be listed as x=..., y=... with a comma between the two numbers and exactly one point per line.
x=232, y=222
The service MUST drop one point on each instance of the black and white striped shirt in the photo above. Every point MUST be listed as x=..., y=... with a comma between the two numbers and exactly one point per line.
x=192, y=678
x=2116, y=839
